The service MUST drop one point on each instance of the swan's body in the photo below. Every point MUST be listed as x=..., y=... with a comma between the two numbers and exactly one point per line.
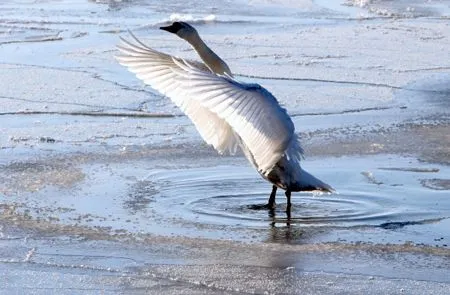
x=227, y=113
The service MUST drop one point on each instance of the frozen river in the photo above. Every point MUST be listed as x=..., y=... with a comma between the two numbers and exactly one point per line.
x=107, y=188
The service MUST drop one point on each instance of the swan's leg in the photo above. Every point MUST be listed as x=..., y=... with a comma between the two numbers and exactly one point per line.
x=271, y=203
x=288, y=207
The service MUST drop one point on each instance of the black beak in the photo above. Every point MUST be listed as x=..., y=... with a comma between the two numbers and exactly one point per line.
x=172, y=28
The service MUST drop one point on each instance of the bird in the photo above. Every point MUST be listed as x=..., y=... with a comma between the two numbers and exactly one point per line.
x=227, y=113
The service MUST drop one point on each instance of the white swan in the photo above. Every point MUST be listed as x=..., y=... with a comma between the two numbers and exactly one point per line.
x=227, y=113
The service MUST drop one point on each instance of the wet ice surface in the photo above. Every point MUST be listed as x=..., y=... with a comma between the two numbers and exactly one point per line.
x=105, y=187
x=176, y=197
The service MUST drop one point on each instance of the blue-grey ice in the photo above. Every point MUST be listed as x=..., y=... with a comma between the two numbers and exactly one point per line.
x=106, y=187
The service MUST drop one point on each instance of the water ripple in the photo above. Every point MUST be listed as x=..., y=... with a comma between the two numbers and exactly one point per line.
x=222, y=196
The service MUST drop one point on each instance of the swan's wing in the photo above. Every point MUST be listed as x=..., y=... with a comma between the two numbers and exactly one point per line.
x=199, y=65
x=252, y=111
x=155, y=69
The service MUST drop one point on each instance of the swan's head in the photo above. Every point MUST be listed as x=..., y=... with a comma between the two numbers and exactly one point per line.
x=181, y=29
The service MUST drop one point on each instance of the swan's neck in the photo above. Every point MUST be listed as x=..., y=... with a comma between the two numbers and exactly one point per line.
x=212, y=60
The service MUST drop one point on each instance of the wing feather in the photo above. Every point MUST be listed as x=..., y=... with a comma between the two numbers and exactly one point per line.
x=157, y=70
x=221, y=108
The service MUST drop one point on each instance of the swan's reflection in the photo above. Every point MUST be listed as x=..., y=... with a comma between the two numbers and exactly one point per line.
x=281, y=228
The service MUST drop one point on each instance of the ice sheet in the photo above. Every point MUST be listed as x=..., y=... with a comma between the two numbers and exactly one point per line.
x=106, y=187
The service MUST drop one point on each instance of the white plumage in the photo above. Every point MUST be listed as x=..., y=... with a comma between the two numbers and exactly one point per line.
x=227, y=113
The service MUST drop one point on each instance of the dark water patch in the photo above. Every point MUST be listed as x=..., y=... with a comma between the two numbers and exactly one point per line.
x=370, y=177
x=31, y=39
x=401, y=224
x=132, y=113
x=411, y=169
x=436, y=184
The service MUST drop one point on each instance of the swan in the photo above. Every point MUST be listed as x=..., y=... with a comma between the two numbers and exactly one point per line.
x=227, y=113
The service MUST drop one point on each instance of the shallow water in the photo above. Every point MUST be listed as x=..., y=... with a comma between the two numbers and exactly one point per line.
x=207, y=199
x=103, y=182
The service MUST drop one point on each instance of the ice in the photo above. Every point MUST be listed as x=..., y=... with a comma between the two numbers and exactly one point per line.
x=191, y=19
x=403, y=9
x=106, y=187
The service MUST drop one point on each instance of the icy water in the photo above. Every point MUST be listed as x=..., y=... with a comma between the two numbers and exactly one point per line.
x=107, y=188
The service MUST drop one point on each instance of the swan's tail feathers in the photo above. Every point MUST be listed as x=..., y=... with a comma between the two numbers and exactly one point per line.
x=308, y=182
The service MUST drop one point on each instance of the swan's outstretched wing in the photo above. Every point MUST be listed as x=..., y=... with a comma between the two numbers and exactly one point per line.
x=252, y=111
x=155, y=69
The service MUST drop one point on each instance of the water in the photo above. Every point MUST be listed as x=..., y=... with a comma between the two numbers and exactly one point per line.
x=216, y=202
x=104, y=182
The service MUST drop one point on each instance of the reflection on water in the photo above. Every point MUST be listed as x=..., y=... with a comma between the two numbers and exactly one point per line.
x=285, y=233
